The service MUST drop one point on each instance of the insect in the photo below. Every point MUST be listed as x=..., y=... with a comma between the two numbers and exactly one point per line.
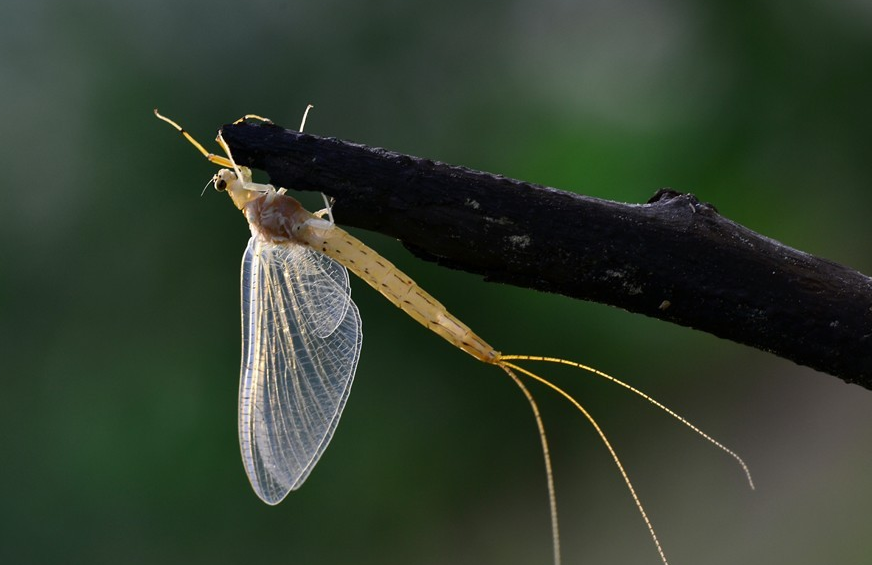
x=301, y=337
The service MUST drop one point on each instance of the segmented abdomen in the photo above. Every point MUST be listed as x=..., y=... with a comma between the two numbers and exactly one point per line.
x=397, y=287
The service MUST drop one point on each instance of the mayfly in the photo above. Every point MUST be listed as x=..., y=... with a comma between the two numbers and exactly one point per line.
x=301, y=337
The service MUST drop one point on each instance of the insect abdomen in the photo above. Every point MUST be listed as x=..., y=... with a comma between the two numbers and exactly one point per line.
x=405, y=293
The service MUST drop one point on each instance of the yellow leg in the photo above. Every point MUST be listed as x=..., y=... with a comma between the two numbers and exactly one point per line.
x=269, y=121
x=226, y=148
x=253, y=117
x=216, y=159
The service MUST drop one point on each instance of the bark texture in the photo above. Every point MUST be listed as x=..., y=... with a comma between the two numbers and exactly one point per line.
x=673, y=258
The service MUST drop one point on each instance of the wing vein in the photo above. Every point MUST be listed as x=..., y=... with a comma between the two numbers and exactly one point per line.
x=301, y=343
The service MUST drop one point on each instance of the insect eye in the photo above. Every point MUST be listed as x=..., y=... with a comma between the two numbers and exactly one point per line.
x=220, y=185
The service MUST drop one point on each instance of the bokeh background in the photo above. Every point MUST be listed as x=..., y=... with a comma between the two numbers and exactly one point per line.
x=119, y=283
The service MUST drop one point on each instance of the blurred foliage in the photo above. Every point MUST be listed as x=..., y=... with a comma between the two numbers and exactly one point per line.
x=119, y=287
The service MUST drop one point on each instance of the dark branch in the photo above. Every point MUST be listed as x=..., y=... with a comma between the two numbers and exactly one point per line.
x=673, y=258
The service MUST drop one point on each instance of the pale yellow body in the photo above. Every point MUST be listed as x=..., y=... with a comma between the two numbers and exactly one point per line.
x=278, y=218
x=394, y=285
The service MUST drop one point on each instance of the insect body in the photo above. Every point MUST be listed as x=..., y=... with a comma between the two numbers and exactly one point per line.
x=302, y=338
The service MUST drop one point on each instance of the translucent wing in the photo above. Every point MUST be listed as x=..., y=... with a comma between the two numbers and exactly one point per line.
x=301, y=340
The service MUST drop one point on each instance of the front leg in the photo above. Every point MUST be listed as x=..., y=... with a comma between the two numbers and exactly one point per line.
x=328, y=211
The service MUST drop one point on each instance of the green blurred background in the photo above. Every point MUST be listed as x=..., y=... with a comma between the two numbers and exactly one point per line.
x=119, y=283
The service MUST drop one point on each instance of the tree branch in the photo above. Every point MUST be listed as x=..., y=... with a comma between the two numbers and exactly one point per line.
x=674, y=258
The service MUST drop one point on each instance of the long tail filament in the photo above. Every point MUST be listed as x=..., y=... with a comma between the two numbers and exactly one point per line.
x=552, y=495
x=505, y=363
